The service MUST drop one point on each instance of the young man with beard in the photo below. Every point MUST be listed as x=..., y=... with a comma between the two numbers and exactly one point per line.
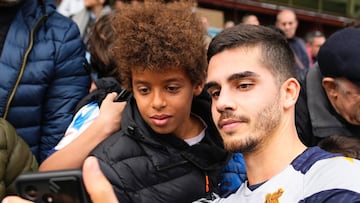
x=252, y=83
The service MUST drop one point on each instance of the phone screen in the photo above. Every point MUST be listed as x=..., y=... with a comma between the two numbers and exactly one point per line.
x=53, y=187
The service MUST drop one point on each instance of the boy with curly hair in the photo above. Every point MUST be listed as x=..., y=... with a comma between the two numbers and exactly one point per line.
x=168, y=149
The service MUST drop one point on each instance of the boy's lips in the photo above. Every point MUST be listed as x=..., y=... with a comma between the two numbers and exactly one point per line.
x=160, y=120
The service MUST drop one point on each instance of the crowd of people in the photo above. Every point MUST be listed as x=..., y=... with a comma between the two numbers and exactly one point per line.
x=153, y=109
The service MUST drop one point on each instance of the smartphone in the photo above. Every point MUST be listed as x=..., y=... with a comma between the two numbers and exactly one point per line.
x=64, y=186
x=122, y=96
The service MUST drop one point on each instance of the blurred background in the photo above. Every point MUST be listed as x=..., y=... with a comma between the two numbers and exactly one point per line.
x=324, y=15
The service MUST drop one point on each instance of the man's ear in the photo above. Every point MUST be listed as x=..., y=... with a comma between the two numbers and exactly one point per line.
x=330, y=86
x=198, y=88
x=291, y=89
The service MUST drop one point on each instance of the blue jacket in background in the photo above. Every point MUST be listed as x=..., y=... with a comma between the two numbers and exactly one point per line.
x=54, y=77
x=232, y=175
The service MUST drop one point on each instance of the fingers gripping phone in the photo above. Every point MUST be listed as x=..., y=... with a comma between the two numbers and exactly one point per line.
x=53, y=187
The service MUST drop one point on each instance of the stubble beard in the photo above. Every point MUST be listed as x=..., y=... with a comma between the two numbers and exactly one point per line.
x=266, y=121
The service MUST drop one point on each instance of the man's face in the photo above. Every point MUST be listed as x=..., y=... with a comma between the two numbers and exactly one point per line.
x=287, y=22
x=346, y=100
x=164, y=100
x=315, y=45
x=246, y=104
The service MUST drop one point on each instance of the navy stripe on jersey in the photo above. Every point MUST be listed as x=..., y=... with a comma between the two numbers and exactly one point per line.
x=333, y=196
x=310, y=156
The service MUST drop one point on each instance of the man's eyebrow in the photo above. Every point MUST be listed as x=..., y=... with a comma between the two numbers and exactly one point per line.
x=210, y=85
x=242, y=75
x=232, y=77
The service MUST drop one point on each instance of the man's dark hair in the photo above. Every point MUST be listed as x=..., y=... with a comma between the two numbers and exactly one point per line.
x=277, y=56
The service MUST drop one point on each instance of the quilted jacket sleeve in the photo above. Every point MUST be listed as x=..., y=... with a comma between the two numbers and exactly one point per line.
x=15, y=158
x=70, y=83
x=233, y=175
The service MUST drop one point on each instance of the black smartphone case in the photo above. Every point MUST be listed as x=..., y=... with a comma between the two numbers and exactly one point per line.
x=64, y=186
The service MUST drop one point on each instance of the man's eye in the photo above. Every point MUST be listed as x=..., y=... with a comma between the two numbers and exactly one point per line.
x=214, y=93
x=244, y=86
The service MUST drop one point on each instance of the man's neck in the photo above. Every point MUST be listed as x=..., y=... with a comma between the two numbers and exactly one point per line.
x=273, y=156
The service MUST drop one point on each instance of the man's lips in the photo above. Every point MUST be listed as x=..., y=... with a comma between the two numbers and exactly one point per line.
x=229, y=124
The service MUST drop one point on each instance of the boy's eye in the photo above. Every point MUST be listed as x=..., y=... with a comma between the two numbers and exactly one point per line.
x=173, y=88
x=143, y=90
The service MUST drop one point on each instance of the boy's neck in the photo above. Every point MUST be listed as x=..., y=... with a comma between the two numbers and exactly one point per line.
x=192, y=128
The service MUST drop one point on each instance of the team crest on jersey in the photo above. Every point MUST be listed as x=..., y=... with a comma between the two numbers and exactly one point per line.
x=274, y=197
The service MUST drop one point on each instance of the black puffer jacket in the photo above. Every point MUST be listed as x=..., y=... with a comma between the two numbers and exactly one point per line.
x=145, y=167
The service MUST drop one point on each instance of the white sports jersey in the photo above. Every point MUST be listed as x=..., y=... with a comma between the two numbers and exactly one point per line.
x=314, y=176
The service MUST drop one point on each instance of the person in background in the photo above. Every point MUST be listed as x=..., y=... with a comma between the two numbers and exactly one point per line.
x=168, y=149
x=286, y=21
x=353, y=23
x=229, y=24
x=95, y=110
x=102, y=66
x=314, y=40
x=70, y=7
x=247, y=62
x=345, y=145
x=329, y=101
x=207, y=36
x=43, y=75
x=250, y=19
x=86, y=18
x=15, y=157
x=118, y=4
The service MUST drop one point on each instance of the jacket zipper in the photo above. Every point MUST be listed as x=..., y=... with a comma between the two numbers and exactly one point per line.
x=23, y=63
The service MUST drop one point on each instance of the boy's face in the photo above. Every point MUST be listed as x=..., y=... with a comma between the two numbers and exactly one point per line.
x=164, y=100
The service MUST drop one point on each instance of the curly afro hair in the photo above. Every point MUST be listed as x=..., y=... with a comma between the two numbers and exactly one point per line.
x=159, y=37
